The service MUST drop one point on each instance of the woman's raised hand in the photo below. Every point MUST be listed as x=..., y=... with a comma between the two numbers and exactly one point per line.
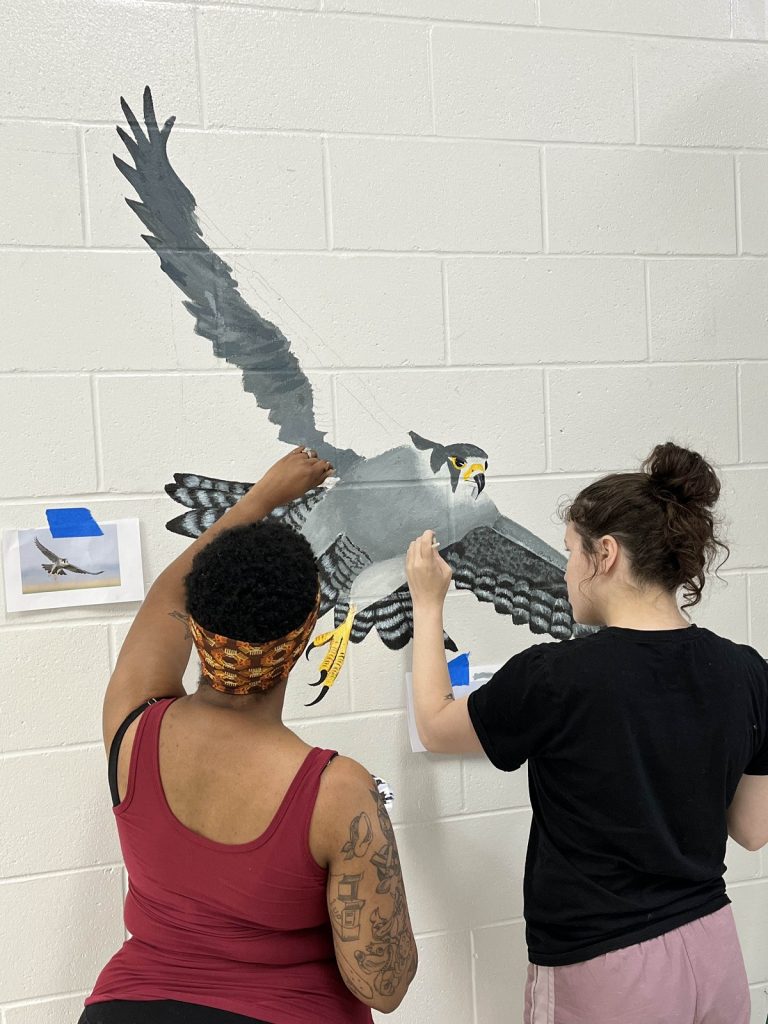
x=428, y=574
x=293, y=475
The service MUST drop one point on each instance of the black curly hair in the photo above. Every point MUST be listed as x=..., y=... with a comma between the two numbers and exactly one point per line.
x=253, y=583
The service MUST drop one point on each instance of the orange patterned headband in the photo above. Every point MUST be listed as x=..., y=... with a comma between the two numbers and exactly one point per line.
x=236, y=666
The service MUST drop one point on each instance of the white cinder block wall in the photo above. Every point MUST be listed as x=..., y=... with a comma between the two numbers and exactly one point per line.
x=538, y=225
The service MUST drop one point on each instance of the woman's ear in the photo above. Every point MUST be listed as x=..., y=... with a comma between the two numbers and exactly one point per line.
x=607, y=553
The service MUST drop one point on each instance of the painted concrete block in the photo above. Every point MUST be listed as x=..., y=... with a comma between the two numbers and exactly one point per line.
x=749, y=22
x=500, y=84
x=488, y=789
x=447, y=196
x=253, y=191
x=74, y=660
x=708, y=18
x=753, y=184
x=340, y=310
x=758, y=605
x=43, y=920
x=464, y=873
x=61, y=793
x=723, y=607
x=635, y=201
x=743, y=502
x=630, y=409
x=500, y=964
x=519, y=310
x=283, y=70
x=191, y=416
x=49, y=1011
x=743, y=865
x=442, y=988
x=505, y=12
x=40, y=182
x=753, y=386
x=750, y=907
x=93, y=52
x=426, y=786
x=708, y=309
x=113, y=311
x=701, y=93
x=492, y=406
x=56, y=461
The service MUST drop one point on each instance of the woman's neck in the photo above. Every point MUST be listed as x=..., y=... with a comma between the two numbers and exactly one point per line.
x=644, y=611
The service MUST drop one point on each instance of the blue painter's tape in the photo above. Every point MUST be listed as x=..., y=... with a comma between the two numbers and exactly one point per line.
x=72, y=522
x=458, y=669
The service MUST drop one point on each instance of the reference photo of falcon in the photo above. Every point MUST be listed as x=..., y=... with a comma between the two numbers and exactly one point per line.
x=359, y=528
x=58, y=566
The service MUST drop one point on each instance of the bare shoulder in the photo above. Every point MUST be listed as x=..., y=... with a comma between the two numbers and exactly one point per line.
x=346, y=789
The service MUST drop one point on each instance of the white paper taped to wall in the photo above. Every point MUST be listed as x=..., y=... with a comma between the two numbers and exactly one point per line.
x=468, y=681
x=43, y=571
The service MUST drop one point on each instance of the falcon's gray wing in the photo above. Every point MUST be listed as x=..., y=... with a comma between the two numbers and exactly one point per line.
x=85, y=572
x=209, y=498
x=521, y=575
x=46, y=551
x=271, y=373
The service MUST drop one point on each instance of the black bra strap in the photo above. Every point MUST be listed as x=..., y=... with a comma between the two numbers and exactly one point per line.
x=114, y=750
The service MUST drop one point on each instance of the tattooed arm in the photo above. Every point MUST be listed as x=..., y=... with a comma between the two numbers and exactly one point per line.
x=372, y=935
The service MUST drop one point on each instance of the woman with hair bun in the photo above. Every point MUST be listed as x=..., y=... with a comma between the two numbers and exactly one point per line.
x=646, y=743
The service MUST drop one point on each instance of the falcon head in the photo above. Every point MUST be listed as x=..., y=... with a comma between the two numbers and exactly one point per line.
x=466, y=462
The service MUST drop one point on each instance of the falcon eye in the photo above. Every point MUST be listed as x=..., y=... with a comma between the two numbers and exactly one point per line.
x=458, y=463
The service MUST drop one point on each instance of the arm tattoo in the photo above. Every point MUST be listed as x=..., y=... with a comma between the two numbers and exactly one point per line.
x=450, y=696
x=390, y=957
x=360, y=836
x=184, y=620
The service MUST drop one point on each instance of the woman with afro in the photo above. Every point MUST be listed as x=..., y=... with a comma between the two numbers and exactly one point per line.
x=264, y=880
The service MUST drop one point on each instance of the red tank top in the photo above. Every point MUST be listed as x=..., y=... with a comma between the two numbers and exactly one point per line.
x=241, y=927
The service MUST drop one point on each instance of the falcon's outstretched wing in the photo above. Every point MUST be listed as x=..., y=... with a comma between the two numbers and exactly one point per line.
x=521, y=575
x=85, y=572
x=209, y=498
x=504, y=564
x=46, y=551
x=271, y=373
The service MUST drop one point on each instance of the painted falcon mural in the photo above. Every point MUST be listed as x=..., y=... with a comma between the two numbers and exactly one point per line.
x=359, y=528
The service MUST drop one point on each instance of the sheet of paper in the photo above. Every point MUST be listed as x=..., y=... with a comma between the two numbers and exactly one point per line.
x=478, y=674
x=42, y=571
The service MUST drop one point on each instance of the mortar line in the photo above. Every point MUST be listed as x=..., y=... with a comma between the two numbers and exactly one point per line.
x=737, y=203
x=97, y=441
x=739, y=414
x=526, y=27
x=431, y=78
x=327, y=192
x=60, y=873
x=447, y=354
x=647, y=296
x=85, y=208
x=199, y=62
x=473, y=973
x=544, y=199
x=547, y=422
x=181, y=128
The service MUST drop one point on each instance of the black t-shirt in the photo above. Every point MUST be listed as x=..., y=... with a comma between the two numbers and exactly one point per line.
x=635, y=742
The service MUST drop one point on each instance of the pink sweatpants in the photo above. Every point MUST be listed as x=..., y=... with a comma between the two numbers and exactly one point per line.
x=692, y=975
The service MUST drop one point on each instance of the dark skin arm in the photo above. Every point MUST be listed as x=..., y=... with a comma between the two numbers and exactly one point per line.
x=156, y=650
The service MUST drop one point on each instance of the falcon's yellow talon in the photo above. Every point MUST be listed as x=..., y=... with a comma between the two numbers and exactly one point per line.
x=338, y=639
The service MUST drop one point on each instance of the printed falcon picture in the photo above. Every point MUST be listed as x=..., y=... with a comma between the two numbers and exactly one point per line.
x=60, y=566
x=360, y=527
